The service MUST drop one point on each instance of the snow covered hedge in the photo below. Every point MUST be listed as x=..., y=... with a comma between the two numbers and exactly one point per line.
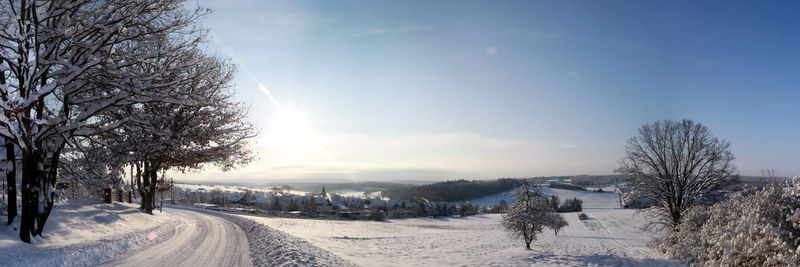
x=756, y=227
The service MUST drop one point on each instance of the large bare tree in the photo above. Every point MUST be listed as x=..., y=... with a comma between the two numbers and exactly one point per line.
x=676, y=165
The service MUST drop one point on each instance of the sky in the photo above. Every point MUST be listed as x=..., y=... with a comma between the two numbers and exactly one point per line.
x=435, y=90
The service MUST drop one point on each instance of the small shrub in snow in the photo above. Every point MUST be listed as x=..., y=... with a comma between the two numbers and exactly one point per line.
x=557, y=222
x=502, y=206
x=571, y=205
x=756, y=227
x=582, y=216
x=377, y=215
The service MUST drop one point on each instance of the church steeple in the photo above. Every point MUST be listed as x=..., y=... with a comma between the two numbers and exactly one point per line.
x=323, y=190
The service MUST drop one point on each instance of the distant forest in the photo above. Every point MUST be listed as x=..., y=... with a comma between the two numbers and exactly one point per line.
x=455, y=190
x=596, y=180
x=463, y=190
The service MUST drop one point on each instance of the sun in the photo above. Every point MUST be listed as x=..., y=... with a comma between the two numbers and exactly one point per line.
x=290, y=132
x=289, y=128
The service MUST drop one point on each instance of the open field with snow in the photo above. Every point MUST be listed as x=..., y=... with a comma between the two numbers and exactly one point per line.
x=611, y=237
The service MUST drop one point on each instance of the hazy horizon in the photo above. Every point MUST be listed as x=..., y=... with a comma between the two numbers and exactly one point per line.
x=416, y=90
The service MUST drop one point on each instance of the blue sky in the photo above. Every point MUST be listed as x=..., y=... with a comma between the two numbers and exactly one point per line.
x=377, y=90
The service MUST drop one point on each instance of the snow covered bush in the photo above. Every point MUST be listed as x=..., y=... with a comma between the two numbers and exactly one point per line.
x=571, y=205
x=557, y=222
x=529, y=214
x=756, y=227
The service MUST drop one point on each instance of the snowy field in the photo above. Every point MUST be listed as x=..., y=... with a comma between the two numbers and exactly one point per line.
x=591, y=200
x=610, y=237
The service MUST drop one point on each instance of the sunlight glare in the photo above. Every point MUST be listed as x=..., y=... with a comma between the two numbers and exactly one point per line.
x=291, y=134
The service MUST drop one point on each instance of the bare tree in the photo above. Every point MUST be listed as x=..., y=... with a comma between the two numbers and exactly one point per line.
x=676, y=165
x=557, y=222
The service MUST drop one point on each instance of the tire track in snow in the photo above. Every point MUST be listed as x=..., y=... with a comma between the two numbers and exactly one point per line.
x=621, y=249
x=200, y=240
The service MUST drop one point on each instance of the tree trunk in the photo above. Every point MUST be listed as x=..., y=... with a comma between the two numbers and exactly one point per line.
x=31, y=182
x=11, y=180
x=48, y=186
x=146, y=200
x=151, y=193
x=141, y=185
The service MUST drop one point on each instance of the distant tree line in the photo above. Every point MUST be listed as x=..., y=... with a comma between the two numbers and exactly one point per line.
x=597, y=180
x=453, y=191
x=566, y=186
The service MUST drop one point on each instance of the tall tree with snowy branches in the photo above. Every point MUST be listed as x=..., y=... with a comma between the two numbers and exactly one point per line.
x=64, y=62
x=206, y=126
x=676, y=165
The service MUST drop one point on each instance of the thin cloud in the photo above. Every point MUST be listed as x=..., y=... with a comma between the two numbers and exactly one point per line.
x=569, y=146
x=396, y=30
x=422, y=156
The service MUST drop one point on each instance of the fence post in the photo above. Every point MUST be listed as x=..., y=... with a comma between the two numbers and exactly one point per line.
x=107, y=195
x=130, y=196
x=121, y=195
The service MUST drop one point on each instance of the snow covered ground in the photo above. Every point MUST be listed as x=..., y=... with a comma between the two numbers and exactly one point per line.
x=610, y=237
x=80, y=233
x=200, y=240
x=92, y=234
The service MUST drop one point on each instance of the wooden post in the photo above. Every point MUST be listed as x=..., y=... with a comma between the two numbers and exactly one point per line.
x=130, y=196
x=120, y=196
x=107, y=195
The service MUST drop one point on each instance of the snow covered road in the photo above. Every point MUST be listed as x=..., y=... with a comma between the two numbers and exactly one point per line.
x=119, y=234
x=200, y=240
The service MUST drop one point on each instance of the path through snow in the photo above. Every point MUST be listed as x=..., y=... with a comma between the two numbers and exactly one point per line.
x=200, y=240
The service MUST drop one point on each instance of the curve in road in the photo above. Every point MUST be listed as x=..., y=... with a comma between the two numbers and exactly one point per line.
x=200, y=240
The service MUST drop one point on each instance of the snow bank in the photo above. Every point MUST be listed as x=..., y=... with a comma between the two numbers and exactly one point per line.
x=82, y=233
